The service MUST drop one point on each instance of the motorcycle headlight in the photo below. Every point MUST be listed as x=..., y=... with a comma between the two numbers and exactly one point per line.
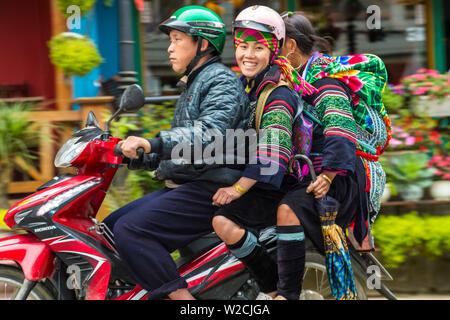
x=69, y=152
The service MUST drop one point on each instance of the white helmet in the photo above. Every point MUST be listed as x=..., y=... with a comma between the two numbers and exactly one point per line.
x=261, y=18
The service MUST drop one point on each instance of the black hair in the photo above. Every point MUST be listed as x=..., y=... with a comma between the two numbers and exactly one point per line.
x=210, y=47
x=299, y=28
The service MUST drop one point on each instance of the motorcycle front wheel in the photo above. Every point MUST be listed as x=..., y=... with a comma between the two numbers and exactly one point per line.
x=11, y=280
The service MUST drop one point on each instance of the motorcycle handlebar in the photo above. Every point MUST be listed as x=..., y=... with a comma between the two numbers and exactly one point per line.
x=118, y=151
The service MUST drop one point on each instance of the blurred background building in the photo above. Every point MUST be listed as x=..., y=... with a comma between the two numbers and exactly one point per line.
x=408, y=35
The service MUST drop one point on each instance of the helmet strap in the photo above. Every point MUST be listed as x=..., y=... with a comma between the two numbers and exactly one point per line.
x=198, y=56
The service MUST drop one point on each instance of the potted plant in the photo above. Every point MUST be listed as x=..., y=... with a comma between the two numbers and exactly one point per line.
x=427, y=91
x=84, y=5
x=440, y=189
x=386, y=193
x=426, y=82
x=17, y=137
x=409, y=175
x=394, y=98
x=74, y=53
x=418, y=133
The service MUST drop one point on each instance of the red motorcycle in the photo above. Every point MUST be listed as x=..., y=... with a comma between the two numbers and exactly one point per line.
x=65, y=253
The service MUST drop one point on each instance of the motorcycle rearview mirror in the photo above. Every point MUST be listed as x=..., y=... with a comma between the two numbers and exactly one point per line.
x=131, y=101
x=91, y=120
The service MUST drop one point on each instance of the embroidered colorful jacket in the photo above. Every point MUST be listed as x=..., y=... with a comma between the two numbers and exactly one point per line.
x=274, y=148
x=365, y=76
x=355, y=121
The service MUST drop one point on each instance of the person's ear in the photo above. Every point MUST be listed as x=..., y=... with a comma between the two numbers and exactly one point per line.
x=205, y=45
x=291, y=44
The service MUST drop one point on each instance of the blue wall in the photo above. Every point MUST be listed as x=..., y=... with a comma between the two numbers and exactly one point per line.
x=108, y=35
x=103, y=31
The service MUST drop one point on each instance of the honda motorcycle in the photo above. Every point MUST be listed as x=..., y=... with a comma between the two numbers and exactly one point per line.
x=62, y=252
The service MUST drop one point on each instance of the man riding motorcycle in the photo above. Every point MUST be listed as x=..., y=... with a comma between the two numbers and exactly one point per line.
x=147, y=230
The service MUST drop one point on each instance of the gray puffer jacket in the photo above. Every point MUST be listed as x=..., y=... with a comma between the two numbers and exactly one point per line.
x=213, y=101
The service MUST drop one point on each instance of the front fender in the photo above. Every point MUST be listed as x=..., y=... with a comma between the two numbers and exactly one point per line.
x=34, y=256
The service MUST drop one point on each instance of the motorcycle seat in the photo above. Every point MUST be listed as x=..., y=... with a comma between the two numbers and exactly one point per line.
x=197, y=247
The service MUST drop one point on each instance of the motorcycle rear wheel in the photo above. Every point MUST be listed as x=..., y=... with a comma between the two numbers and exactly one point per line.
x=11, y=280
x=316, y=285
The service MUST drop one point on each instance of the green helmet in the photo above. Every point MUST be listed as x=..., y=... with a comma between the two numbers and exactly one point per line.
x=197, y=21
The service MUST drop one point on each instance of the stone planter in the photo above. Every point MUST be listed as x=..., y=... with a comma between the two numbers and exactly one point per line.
x=434, y=107
x=440, y=190
x=410, y=192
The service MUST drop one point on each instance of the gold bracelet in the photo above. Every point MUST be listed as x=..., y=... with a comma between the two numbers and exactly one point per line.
x=239, y=189
x=323, y=175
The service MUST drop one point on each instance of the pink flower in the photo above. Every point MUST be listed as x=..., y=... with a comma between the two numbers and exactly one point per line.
x=446, y=176
x=421, y=77
x=422, y=70
x=419, y=91
x=432, y=71
x=410, y=141
x=394, y=142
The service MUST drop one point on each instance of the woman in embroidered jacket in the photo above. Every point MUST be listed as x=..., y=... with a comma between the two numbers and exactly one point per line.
x=344, y=89
x=251, y=203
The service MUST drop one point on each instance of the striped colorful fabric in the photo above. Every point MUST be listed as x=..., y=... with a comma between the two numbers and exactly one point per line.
x=335, y=112
x=267, y=39
x=366, y=77
x=276, y=111
x=275, y=143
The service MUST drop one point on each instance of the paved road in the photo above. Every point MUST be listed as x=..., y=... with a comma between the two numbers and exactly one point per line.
x=418, y=296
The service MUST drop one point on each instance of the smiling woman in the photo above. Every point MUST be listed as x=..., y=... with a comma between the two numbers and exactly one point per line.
x=274, y=87
x=252, y=58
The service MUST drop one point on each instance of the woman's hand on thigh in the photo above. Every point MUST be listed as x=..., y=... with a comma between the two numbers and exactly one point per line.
x=225, y=196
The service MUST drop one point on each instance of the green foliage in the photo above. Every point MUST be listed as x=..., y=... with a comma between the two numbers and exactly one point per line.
x=17, y=135
x=84, y=5
x=408, y=169
x=150, y=119
x=411, y=234
x=393, y=101
x=155, y=118
x=74, y=54
x=137, y=184
x=2, y=223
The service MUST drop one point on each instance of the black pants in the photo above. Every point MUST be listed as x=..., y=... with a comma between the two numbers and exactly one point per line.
x=344, y=189
x=147, y=230
x=255, y=210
